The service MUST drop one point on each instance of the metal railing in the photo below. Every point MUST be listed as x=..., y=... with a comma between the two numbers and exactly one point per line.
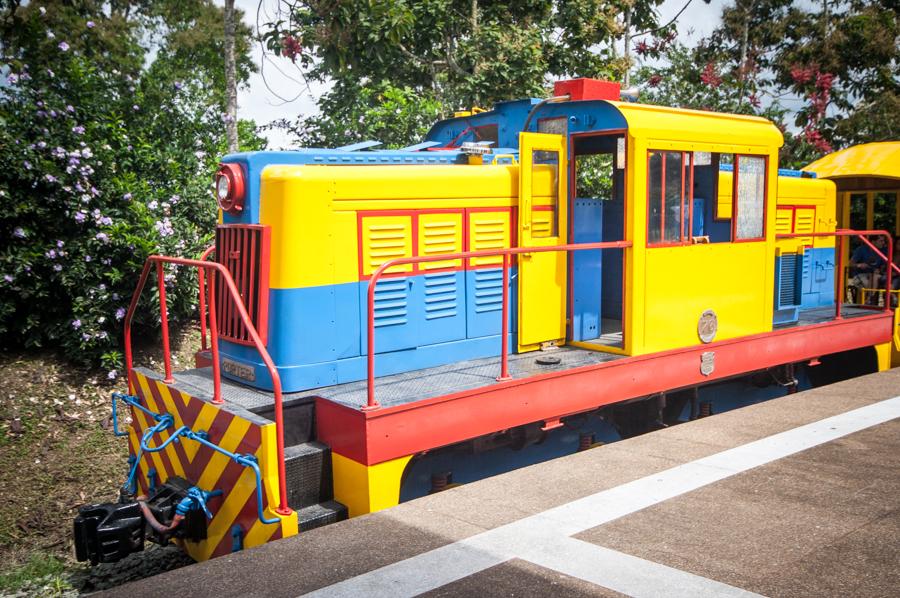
x=213, y=268
x=508, y=253
x=839, y=235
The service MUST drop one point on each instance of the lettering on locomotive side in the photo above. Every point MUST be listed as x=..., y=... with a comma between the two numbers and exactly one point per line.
x=238, y=370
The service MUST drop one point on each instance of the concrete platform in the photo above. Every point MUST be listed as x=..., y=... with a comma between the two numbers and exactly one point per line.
x=799, y=496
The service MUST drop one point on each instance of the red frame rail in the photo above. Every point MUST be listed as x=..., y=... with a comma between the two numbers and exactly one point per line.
x=214, y=268
x=839, y=259
x=371, y=403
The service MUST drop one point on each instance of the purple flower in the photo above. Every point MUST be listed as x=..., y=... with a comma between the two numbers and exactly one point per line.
x=112, y=375
x=164, y=227
x=42, y=144
x=106, y=261
x=127, y=197
x=136, y=107
x=78, y=130
x=19, y=232
x=76, y=324
x=64, y=46
x=179, y=85
x=59, y=243
x=153, y=205
x=120, y=313
x=7, y=278
x=51, y=254
x=103, y=237
x=27, y=165
x=51, y=73
x=57, y=267
x=175, y=199
x=105, y=221
x=70, y=108
x=80, y=216
x=90, y=25
x=50, y=178
x=43, y=10
x=85, y=336
x=87, y=258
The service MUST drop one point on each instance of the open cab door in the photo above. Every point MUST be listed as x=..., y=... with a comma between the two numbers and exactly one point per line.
x=542, y=223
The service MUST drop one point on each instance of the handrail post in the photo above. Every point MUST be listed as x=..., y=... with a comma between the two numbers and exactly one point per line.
x=129, y=316
x=839, y=277
x=888, y=268
x=164, y=321
x=214, y=339
x=201, y=278
x=504, y=325
x=371, y=403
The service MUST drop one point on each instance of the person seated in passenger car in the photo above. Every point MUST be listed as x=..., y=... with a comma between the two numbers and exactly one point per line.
x=867, y=268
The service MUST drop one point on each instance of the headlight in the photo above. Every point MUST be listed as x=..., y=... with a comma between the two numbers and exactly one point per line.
x=230, y=188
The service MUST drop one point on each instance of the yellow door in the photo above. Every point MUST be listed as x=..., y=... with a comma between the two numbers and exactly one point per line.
x=542, y=222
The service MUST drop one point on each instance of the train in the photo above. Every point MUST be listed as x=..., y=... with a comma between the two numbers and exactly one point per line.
x=522, y=283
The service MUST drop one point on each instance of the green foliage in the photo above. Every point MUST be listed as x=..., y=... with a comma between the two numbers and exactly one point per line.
x=105, y=158
x=826, y=73
x=392, y=115
x=444, y=54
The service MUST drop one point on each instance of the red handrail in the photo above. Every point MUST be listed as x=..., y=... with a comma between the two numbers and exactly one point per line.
x=202, y=284
x=839, y=250
x=214, y=268
x=371, y=403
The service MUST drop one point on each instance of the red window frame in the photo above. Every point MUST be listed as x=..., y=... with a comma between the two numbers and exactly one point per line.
x=687, y=157
x=734, y=198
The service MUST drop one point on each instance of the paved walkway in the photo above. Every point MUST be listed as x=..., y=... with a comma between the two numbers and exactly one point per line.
x=798, y=496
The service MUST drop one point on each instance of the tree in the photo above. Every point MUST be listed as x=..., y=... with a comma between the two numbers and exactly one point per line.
x=230, y=80
x=826, y=74
x=456, y=53
x=107, y=145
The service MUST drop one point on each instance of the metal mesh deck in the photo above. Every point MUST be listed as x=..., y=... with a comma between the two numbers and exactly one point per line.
x=819, y=315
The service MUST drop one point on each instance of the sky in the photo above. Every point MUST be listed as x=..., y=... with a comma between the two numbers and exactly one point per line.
x=277, y=91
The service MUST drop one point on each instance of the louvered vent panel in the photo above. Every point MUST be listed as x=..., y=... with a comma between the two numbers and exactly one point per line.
x=488, y=290
x=788, y=288
x=385, y=238
x=244, y=250
x=488, y=230
x=805, y=222
x=440, y=233
x=440, y=295
x=783, y=221
x=391, y=302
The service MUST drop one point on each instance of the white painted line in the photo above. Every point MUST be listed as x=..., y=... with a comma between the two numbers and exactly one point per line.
x=519, y=539
x=626, y=574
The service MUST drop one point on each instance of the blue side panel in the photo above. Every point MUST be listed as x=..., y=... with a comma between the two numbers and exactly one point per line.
x=484, y=301
x=587, y=227
x=818, y=278
x=414, y=311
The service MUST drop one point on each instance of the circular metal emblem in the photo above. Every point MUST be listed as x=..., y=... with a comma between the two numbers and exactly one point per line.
x=707, y=326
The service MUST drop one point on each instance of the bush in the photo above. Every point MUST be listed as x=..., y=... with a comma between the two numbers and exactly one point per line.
x=104, y=160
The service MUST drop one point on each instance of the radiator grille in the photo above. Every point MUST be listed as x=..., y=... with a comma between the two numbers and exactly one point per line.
x=244, y=250
x=788, y=288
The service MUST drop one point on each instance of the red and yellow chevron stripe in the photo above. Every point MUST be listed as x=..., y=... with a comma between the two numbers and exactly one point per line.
x=208, y=469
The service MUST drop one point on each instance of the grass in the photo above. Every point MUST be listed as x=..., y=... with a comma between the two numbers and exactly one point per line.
x=57, y=452
x=45, y=570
